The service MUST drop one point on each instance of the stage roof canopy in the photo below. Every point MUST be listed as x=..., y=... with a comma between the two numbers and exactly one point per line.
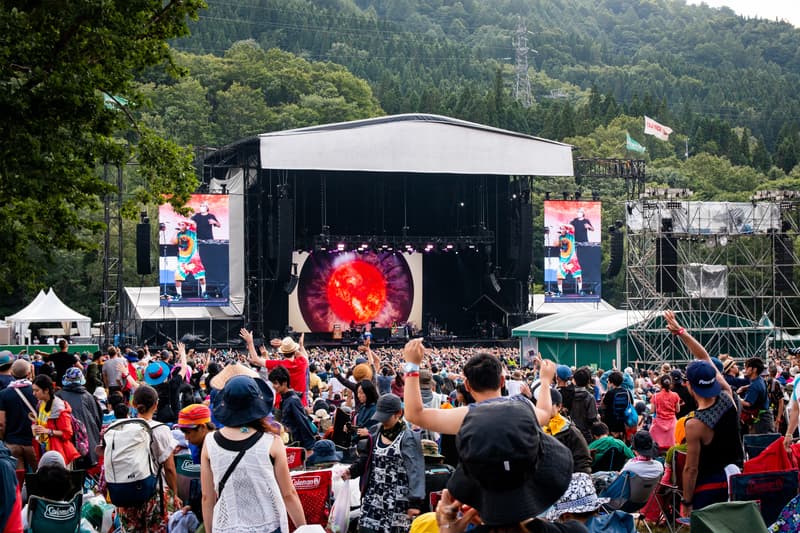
x=416, y=143
x=144, y=303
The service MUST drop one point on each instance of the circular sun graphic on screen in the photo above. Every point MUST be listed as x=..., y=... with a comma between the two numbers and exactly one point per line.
x=356, y=291
x=361, y=288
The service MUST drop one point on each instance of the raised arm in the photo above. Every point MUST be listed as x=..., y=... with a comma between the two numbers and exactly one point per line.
x=447, y=421
x=184, y=366
x=694, y=347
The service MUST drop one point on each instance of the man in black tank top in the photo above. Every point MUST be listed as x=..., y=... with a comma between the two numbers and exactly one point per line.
x=712, y=435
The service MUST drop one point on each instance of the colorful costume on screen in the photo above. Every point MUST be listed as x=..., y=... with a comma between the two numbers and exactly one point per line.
x=189, y=262
x=568, y=257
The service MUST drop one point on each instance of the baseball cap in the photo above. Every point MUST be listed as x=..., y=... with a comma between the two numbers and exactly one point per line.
x=563, y=372
x=510, y=470
x=702, y=376
x=6, y=358
x=388, y=405
x=644, y=445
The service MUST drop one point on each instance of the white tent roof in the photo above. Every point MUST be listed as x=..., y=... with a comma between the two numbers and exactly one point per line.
x=540, y=307
x=49, y=308
x=420, y=143
x=145, y=303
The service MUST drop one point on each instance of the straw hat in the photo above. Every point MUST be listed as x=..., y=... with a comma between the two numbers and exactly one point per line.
x=288, y=346
x=218, y=382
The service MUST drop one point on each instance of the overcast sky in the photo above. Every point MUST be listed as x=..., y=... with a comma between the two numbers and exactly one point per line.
x=788, y=10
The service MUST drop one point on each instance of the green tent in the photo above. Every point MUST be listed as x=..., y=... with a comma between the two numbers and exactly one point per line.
x=593, y=338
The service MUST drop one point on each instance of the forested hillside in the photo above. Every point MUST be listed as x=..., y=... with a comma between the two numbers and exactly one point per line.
x=684, y=62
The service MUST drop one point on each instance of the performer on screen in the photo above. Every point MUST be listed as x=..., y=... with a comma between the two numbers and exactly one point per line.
x=204, y=221
x=582, y=227
x=568, y=259
x=189, y=262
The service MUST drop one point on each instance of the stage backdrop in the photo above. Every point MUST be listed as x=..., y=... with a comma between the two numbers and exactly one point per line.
x=194, y=250
x=340, y=288
x=572, y=253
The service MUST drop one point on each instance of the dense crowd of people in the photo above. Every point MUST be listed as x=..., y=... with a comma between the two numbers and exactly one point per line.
x=501, y=446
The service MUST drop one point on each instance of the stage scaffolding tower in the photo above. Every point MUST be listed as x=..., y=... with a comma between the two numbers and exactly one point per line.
x=668, y=238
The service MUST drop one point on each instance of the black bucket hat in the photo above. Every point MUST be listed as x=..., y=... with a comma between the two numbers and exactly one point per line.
x=510, y=470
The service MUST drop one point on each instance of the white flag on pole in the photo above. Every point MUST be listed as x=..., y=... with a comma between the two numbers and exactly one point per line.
x=651, y=127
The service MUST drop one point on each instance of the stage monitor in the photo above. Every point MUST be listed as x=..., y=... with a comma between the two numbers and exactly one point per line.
x=194, y=266
x=345, y=291
x=572, y=253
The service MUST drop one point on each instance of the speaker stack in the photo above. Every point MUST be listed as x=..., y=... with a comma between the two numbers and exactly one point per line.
x=143, y=265
x=666, y=259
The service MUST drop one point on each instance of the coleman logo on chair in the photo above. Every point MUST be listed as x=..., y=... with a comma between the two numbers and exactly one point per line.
x=306, y=483
x=60, y=512
x=188, y=466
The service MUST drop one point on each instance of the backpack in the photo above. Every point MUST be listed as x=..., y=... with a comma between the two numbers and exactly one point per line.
x=621, y=404
x=80, y=437
x=131, y=469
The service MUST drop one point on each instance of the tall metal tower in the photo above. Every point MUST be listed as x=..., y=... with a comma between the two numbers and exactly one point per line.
x=522, y=89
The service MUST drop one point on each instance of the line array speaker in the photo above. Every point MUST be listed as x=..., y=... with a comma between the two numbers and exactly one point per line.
x=143, y=265
x=617, y=251
x=783, y=250
x=667, y=264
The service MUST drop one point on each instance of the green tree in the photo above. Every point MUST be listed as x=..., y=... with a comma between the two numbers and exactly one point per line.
x=58, y=62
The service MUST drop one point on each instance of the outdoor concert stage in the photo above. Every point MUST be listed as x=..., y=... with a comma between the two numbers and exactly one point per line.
x=411, y=220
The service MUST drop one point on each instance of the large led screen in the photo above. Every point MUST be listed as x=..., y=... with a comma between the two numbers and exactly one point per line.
x=343, y=290
x=194, y=251
x=572, y=254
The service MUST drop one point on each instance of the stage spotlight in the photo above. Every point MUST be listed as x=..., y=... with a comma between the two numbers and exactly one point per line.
x=461, y=204
x=340, y=246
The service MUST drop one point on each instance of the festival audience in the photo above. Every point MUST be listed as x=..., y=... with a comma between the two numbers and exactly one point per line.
x=470, y=405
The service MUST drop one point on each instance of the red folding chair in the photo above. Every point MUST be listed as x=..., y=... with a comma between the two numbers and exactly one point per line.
x=314, y=489
x=296, y=458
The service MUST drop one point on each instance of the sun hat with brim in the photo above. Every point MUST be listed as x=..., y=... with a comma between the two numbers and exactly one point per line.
x=288, y=346
x=324, y=452
x=727, y=365
x=510, y=471
x=218, y=382
x=73, y=376
x=430, y=449
x=580, y=497
x=156, y=373
x=193, y=416
x=702, y=376
x=388, y=405
x=240, y=402
x=6, y=359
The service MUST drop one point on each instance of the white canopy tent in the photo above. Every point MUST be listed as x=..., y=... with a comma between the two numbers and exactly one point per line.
x=48, y=307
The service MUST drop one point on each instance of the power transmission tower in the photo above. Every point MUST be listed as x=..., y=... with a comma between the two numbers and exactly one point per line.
x=522, y=89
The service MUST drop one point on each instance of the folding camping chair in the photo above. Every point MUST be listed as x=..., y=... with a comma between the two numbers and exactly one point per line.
x=51, y=516
x=669, y=494
x=755, y=444
x=314, y=489
x=296, y=457
x=35, y=487
x=728, y=517
x=188, y=473
x=612, y=460
x=773, y=490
